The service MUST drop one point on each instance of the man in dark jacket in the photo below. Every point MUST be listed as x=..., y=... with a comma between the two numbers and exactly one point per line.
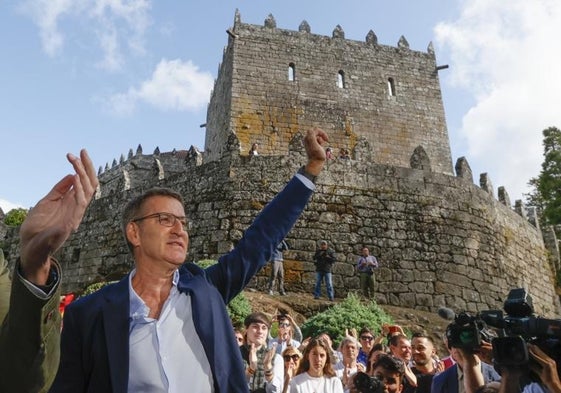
x=324, y=258
x=165, y=327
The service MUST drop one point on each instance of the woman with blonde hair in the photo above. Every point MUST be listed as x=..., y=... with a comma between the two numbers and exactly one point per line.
x=291, y=357
x=315, y=372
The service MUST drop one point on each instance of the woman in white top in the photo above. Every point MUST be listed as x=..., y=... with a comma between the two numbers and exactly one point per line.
x=315, y=372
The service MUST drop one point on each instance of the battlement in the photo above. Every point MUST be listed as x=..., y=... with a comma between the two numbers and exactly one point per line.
x=140, y=171
x=337, y=36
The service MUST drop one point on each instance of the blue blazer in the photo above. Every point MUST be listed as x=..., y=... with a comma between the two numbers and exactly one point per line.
x=95, y=336
x=447, y=381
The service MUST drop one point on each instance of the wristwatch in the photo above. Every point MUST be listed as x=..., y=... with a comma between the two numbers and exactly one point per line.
x=309, y=176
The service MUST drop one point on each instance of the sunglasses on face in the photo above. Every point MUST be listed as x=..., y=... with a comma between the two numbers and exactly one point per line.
x=367, y=338
x=284, y=324
x=293, y=357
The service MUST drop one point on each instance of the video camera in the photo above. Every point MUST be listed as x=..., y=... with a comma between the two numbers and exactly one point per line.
x=467, y=332
x=513, y=331
x=520, y=327
x=367, y=384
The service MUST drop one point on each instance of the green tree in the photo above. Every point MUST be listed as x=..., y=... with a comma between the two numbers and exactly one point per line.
x=15, y=217
x=546, y=187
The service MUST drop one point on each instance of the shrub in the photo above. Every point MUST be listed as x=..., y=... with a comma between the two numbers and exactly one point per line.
x=350, y=313
x=15, y=217
x=96, y=286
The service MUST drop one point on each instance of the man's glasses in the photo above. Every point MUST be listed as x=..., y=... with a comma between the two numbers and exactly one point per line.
x=367, y=338
x=294, y=357
x=167, y=220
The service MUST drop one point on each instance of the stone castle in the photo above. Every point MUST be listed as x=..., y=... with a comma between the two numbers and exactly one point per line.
x=440, y=239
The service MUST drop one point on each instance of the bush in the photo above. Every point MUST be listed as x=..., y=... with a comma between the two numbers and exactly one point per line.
x=350, y=313
x=95, y=287
x=15, y=217
x=239, y=307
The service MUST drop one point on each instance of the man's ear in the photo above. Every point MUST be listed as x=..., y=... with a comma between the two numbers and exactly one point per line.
x=133, y=235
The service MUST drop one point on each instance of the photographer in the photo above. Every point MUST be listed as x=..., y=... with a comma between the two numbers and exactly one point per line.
x=528, y=347
x=543, y=366
x=469, y=371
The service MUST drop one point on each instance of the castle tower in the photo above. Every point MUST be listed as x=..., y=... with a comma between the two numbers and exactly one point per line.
x=273, y=83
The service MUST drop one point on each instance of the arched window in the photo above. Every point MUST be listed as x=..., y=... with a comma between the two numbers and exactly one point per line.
x=341, y=80
x=291, y=72
x=391, y=87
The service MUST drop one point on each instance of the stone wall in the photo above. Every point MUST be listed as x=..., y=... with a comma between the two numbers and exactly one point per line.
x=440, y=240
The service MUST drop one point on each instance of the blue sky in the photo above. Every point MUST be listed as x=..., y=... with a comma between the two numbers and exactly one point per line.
x=108, y=75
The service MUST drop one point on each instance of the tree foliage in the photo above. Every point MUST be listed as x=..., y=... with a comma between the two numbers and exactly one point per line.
x=350, y=313
x=546, y=187
x=15, y=217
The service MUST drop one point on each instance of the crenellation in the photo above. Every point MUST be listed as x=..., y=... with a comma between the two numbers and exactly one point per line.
x=304, y=27
x=430, y=48
x=532, y=214
x=520, y=208
x=270, y=22
x=504, y=198
x=420, y=159
x=463, y=170
x=402, y=43
x=371, y=38
x=485, y=184
x=338, y=32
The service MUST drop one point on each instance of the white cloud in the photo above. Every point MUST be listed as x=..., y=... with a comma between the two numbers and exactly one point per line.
x=506, y=56
x=114, y=22
x=174, y=86
x=6, y=206
x=46, y=14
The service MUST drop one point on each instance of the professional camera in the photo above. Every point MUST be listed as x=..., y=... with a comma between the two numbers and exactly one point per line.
x=519, y=327
x=367, y=384
x=467, y=332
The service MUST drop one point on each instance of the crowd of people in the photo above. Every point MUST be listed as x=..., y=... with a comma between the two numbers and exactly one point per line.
x=387, y=362
x=165, y=327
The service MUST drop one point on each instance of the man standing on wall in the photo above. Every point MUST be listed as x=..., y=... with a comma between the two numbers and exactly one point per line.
x=277, y=270
x=324, y=258
x=365, y=268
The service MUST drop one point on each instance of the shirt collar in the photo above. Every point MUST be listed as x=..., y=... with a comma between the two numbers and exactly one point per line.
x=139, y=309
